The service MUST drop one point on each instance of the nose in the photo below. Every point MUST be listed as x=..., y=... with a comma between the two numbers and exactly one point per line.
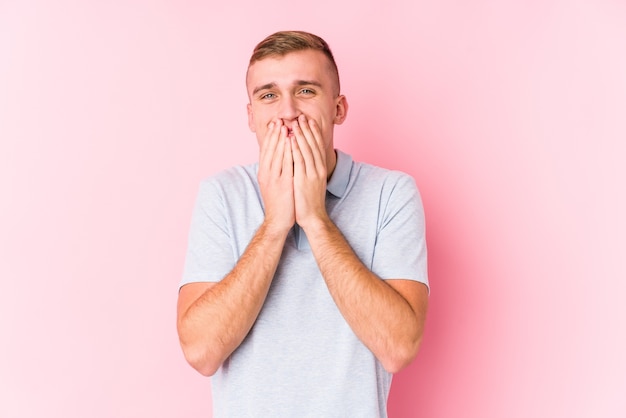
x=288, y=109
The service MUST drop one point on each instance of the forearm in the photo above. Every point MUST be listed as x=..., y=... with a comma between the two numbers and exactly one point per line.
x=380, y=316
x=214, y=324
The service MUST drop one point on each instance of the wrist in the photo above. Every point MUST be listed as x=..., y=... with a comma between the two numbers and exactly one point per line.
x=272, y=229
x=316, y=224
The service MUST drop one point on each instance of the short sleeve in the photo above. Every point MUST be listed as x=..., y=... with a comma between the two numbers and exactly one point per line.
x=209, y=254
x=400, y=251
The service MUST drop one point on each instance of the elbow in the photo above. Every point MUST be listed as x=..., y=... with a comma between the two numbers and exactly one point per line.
x=199, y=352
x=401, y=356
x=200, y=359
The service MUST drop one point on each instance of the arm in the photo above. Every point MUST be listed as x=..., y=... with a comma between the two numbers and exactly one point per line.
x=214, y=318
x=387, y=316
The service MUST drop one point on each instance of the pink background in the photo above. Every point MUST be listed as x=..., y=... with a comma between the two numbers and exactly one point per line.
x=510, y=115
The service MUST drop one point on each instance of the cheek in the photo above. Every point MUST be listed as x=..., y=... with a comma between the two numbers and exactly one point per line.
x=260, y=117
x=260, y=134
x=326, y=124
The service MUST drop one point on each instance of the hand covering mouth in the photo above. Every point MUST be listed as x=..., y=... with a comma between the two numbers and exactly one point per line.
x=290, y=126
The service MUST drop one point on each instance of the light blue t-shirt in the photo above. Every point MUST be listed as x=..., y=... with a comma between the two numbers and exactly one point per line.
x=301, y=358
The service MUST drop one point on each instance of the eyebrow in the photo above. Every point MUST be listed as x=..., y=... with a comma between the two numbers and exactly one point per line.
x=307, y=83
x=297, y=83
x=263, y=87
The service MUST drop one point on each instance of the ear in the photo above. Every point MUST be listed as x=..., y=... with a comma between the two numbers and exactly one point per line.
x=341, y=109
x=250, y=118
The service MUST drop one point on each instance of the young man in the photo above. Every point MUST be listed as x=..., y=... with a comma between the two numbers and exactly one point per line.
x=305, y=283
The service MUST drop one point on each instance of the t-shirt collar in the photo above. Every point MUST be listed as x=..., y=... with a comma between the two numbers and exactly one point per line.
x=338, y=182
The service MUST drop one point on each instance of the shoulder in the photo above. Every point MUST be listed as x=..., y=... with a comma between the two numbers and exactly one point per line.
x=235, y=184
x=385, y=179
x=240, y=176
x=232, y=175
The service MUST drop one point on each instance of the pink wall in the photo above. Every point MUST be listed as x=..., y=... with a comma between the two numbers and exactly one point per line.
x=510, y=116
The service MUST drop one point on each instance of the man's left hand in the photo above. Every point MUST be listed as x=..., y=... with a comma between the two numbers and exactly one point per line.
x=310, y=173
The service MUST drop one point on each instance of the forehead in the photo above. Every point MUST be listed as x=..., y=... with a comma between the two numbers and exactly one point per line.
x=285, y=70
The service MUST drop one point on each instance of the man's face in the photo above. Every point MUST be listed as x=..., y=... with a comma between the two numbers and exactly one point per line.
x=283, y=88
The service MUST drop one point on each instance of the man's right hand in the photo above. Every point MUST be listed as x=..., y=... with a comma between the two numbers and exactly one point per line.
x=276, y=178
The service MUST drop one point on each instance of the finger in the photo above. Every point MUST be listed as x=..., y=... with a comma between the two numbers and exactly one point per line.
x=316, y=133
x=306, y=130
x=299, y=169
x=266, y=147
x=319, y=151
x=287, y=169
x=279, y=155
x=270, y=142
x=305, y=148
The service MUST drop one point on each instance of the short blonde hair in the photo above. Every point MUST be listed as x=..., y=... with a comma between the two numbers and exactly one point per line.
x=281, y=43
